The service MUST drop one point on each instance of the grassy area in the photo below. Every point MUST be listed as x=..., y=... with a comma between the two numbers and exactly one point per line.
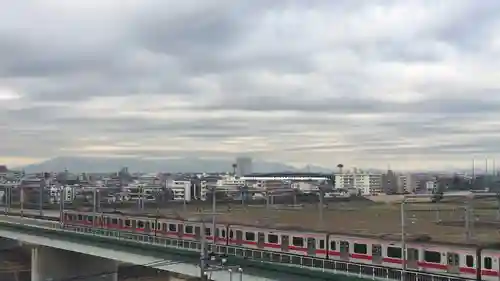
x=368, y=219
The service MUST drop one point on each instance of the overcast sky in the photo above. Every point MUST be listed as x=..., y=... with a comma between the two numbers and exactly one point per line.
x=413, y=84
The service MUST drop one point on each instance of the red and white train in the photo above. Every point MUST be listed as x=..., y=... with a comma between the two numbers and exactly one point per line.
x=462, y=261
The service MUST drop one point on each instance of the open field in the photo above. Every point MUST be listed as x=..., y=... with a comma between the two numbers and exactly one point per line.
x=441, y=222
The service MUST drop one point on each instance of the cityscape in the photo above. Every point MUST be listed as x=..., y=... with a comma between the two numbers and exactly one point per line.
x=223, y=140
x=237, y=183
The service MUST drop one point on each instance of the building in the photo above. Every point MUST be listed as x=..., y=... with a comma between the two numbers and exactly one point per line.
x=243, y=166
x=368, y=183
x=363, y=182
x=390, y=183
x=344, y=181
x=407, y=183
x=3, y=171
x=431, y=186
x=181, y=189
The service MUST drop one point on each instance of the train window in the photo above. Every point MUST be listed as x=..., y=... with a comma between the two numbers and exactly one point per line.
x=223, y=233
x=80, y=217
x=488, y=264
x=140, y=224
x=114, y=221
x=189, y=229
x=469, y=261
x=172, y=227
x=272, y=238
x=321, y=244
x=360, y=248
x=231, y=234
x=432, y=256
x=249, y=236
x=394, y=252
x=90, y=218
x=127, y=223
x=158, y=226
x=208, y=231
x=333, y=245
x=298, y=241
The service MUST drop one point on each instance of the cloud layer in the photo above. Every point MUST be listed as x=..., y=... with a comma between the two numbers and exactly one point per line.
x=413, y=84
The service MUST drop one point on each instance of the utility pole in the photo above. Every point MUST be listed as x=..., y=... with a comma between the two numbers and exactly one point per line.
x=213, y=262
x=62, y=192
x=214, y=210
x=21, y=198
x=203, y=253
x=94, y=205
x=321, y=205
x=403, y=239
x=43, y=183
x=468, y=222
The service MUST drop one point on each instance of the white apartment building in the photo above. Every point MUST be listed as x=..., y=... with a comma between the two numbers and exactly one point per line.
x=344, y=181
x=365, y=183
x=181, y=189
x=203, y=190
x=431, y=186
x=229, y=183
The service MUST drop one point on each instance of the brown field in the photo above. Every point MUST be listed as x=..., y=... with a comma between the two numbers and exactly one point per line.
x=370, y=219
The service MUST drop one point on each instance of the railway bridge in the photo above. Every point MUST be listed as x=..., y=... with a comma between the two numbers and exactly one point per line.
x=59, y=253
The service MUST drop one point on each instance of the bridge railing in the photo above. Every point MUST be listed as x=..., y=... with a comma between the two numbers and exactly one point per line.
x=304, y=262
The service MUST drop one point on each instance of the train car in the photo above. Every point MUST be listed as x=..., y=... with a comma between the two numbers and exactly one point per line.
x=192, y=230
x=488, y=264
x=168, y=227
x=285, y=241
x=453, y=260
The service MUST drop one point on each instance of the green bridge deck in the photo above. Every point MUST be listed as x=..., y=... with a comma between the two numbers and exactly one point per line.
x=254, y=261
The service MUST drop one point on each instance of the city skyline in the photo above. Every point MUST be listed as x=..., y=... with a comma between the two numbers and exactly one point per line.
x=410, y=84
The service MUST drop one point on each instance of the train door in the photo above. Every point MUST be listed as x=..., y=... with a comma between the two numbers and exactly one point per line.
x=239, y=237
x=412, y=258
x=134, y=225
x=221, y=234
x=147, y=226
x=377, y=253
x=285, y=242
x=311, y=246
x=158, y=227
x=453, y=262
x=197, y=232
x=180, y=230
x=261, y=237
x=344, y=250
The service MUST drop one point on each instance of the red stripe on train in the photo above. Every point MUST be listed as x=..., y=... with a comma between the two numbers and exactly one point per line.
x=423, y=264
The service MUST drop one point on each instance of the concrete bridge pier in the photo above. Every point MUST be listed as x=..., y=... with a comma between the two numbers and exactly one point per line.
x=50, y=264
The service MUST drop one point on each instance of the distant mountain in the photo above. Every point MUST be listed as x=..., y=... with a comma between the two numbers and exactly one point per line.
x=175, y=165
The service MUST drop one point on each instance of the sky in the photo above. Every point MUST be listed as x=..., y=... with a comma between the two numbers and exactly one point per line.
x=410, y=84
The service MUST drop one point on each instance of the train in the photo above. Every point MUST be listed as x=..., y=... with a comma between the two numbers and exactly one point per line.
x=463, y=261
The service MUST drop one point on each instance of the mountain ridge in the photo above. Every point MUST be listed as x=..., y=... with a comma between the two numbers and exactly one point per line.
x=175, y=165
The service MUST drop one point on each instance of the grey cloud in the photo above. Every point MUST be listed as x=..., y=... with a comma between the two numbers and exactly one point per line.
x=470, y=29
x=206, y=53
x=357, y=105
